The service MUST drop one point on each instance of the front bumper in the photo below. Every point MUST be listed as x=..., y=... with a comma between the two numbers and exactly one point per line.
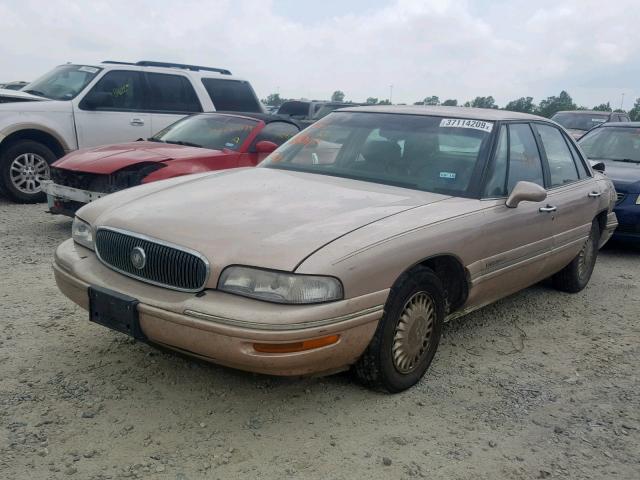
x=628, y=213
x=222, y=328
x=65, y=200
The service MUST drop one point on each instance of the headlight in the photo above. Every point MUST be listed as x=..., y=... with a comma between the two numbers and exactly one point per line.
x=279, y=287
x=638, y=200
x=81, y=233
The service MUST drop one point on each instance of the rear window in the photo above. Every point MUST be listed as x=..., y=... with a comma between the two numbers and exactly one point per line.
x=171, y=93
x=231, y=95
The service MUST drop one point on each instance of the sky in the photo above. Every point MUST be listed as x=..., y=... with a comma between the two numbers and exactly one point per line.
x=300, y=48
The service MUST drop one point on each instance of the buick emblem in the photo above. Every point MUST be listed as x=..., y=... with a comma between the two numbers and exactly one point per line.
x=138, y=258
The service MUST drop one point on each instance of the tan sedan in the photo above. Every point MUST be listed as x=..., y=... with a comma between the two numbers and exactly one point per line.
x=348, y=247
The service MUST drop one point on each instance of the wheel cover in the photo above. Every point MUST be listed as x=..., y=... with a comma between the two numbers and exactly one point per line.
x=413, y=332
x=585, y=258
x=27, y=171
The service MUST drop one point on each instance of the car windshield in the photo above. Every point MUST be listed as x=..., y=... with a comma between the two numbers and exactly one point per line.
x=612, y=143
x=580, y=121
x=421, y=152
x=212, y=131
x=63, y=82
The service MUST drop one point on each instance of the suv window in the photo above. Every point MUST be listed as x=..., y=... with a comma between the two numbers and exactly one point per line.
x=496, y=183
x=231, y=95
x=524, y=158
x=171, y=93
x=277, y=132
x=561, y=166
x=117, y=90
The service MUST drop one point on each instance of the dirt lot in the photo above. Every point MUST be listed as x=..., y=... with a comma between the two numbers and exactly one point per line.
x=540, y=385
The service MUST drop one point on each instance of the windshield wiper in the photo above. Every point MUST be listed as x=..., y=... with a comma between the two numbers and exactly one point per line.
x=35, y=92
x=626, y=160
x=185, y=144
x=154, y=139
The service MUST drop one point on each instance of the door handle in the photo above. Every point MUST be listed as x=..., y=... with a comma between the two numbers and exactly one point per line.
x=136, y=122
x=548, y=208
x=594, y=194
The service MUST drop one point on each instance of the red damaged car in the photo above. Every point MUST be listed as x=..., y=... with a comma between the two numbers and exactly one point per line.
x=195, y=144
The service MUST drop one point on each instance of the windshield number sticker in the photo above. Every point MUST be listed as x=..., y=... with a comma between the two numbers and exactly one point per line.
x=461, y=123
x=88, y=69
x=598, y=120
x=449, y=175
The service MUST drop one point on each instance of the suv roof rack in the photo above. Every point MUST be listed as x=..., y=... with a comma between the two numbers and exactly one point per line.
x=151, y=63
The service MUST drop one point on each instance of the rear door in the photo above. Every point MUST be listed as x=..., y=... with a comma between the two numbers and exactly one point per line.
x=572, y=192
x=112, y=110
x=169, y=98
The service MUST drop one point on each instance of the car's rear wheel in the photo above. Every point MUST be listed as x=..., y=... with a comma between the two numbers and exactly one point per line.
x=23, y=167
x=575, y=276
x=408, y=334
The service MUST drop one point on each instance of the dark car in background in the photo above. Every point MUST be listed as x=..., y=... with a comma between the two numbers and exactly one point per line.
x=617, y=145
x=309, y=111
x=579, y=122
x=195, y=144
x=17, y=85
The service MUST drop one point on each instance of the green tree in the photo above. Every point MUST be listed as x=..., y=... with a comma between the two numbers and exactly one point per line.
x=384, y=102
x=603, y=107
x=338, y=96
x=371, y=100
x=433, y=100
x=634, y=113
x=522, y=104
x=273, y=100
x=450, y=103
x=483, y=102
x=554, y=104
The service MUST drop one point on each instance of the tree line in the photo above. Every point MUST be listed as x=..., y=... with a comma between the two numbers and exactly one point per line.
x=546, y=108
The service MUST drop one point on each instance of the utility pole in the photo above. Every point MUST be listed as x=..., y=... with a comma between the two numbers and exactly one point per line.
x=391, y=94
x=622, y=101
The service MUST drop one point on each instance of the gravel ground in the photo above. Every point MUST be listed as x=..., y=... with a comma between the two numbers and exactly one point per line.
x=540, y=385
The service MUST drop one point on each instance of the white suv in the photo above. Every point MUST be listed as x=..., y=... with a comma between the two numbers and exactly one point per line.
x=80, y=106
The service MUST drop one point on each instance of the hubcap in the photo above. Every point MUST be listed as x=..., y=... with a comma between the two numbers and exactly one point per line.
x=585, y=258
x=27, y=172
x=413, y=332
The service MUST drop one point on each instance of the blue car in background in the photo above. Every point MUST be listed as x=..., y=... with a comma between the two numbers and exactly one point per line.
x=617, y=145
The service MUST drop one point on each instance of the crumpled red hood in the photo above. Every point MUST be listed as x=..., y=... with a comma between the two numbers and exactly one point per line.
x=111, y=158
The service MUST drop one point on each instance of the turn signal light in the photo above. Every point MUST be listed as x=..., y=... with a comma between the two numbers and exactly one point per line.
x=295, y=346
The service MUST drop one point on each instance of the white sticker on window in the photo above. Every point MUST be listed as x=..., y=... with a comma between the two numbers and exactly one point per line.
x=88, y=69
x=461, y=123
x=450, y=175
x=598, y=120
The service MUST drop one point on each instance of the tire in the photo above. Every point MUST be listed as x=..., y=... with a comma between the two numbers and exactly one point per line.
x=415, y=305
x=23, y=165
x=575, y=276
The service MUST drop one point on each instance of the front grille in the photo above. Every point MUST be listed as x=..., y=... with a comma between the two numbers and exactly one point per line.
x=127, y=177
x=620, y=197
x=166, y=265
x=628, y=228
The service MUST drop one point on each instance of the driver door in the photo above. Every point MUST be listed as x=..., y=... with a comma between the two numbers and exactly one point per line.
x=111, y=112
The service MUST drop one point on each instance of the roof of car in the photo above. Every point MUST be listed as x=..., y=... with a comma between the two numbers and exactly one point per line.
x=455, y=112
x=586, y=112
x=265, y=117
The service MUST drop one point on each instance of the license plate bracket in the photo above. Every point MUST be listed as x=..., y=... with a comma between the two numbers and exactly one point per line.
x=116, y=311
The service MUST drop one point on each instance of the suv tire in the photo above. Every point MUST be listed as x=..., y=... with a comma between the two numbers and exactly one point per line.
x=575, y=276
x=23, y=165
x=408, y=333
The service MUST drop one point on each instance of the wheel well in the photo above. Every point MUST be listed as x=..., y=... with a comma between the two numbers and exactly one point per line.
x=602, y=220
x=454, y=278
x=37, y=136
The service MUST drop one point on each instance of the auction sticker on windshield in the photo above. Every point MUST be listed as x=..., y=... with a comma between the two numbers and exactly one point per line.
x=461, y=123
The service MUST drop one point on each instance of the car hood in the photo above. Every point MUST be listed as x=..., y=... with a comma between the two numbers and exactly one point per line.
x=258, y=216
x=111, y=158
x=625, y=176
x=7, y=95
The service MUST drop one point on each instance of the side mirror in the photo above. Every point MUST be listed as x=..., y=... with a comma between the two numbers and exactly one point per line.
x=265, y=146
x=95, y=100
x=526, y=192
x=597, y=166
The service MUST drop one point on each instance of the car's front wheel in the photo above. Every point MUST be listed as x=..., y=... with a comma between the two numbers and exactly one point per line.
x=408, y=334
x=23, y=166
x=575, y=276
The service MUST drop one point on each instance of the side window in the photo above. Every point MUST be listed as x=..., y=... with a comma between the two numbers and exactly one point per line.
x=582, y=170
x=277, y=132
x=524, y=158
x=171, y=93
x=231, y=95
x=117, y=90
x=561, y=166
x=496, y=183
